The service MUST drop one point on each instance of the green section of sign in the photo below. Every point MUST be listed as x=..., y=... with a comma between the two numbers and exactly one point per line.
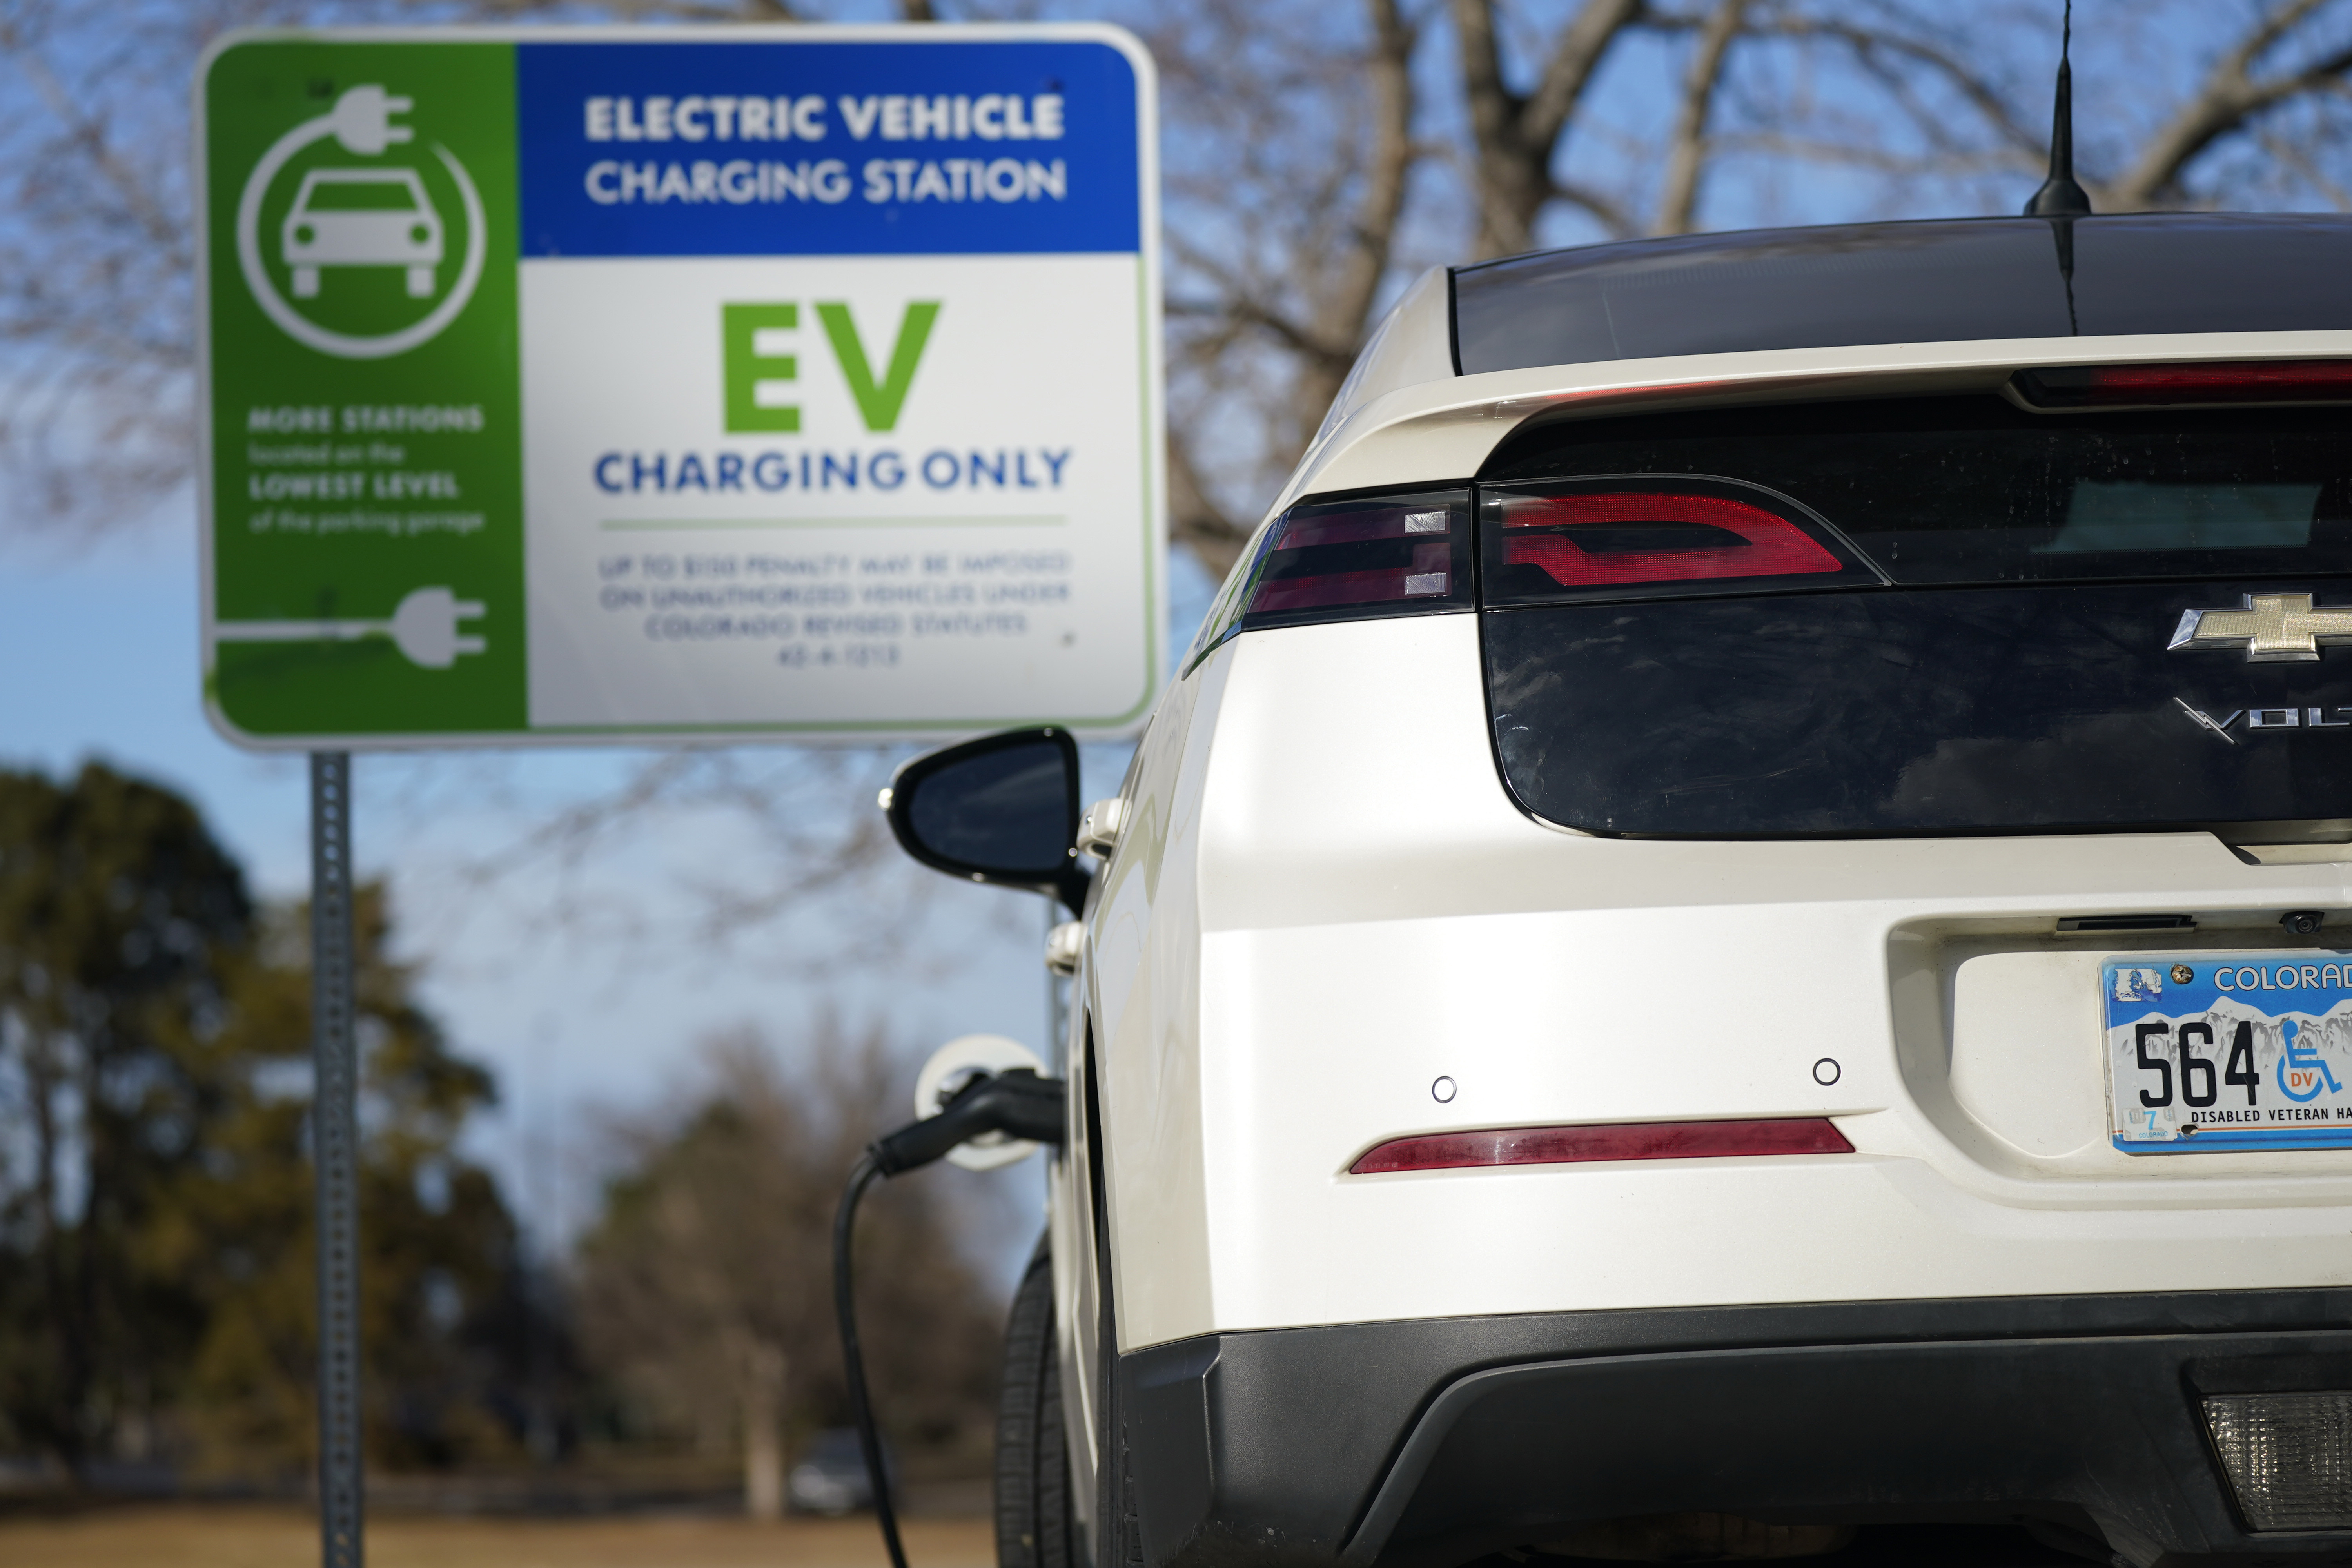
x=367, y=483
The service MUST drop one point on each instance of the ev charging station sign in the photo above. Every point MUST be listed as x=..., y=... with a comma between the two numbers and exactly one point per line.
x=613, y=385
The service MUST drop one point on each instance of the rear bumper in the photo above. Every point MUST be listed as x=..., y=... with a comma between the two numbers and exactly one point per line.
x=1425, y=1443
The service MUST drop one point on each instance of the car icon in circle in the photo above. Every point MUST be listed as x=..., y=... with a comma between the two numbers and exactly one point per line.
x=362, y=218
x=1677, y=665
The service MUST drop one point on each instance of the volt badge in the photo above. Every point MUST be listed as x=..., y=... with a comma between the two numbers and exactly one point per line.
x=2272, y=628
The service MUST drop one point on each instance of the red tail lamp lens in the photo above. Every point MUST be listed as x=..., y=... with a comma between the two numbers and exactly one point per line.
x=1382, y=554
x=2140, y=386
x=1357, y=558
x=1632, y=1141
x=1425, y=572
x=1599, y=538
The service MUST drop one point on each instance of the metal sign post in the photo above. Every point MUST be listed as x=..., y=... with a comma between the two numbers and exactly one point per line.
x=334, y=1154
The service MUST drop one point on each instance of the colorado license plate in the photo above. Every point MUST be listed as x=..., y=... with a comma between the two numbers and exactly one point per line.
x=2209, y=1052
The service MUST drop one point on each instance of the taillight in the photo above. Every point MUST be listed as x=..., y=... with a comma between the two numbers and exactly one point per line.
x=1351, y=559
x=2146, y=385
x=1629, y=1140
x=1651, y=535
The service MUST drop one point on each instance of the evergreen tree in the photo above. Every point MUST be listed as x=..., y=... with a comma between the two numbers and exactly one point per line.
x=156, y=1294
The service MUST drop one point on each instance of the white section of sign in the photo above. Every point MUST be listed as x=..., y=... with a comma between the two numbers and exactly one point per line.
x=994, y=538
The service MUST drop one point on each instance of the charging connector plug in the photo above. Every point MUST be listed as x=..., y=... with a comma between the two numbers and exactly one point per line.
x=1017, y=1104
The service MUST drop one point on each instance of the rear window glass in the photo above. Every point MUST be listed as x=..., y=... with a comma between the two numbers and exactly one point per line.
x=1976, y=490
x=1936, y=616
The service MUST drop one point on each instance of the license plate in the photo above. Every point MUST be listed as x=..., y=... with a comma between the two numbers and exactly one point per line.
x=2209, y=1052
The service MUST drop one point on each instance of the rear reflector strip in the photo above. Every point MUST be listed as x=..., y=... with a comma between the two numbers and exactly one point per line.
x=1627, y=1140
x=2289, y=1456
x=2143, y=386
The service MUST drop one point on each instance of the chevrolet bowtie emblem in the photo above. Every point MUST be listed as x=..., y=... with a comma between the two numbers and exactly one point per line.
x=2271, y=628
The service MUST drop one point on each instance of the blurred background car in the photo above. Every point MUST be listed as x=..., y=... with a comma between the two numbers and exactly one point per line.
x=831, y=1478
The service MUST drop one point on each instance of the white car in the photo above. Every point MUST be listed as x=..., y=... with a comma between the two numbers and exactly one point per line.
x=830, y=1479
x=1729, y=937
x=362, y=218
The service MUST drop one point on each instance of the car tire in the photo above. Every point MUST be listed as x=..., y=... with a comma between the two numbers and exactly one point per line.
x=1035, y=1527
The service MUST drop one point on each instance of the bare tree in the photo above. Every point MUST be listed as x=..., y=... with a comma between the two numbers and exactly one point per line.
x=1313, y=165
x=1686, y=151
x=2231, y=96
x=798, y=825
x=1296, y=233
x=1518, y=133
x=95, y=293
x=1568, y=132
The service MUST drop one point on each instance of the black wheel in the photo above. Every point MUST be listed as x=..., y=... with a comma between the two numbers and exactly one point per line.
x=1034, y=1525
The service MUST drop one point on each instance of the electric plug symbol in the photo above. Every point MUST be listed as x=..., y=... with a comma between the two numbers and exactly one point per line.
x=362, y=120
x=424, y=627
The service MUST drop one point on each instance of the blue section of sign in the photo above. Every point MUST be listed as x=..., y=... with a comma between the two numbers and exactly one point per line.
x=945, y=147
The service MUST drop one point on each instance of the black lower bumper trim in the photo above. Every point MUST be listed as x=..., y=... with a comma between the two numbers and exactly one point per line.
x=1425, y=1443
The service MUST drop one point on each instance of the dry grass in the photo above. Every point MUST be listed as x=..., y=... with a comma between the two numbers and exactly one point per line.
x=209, y=1537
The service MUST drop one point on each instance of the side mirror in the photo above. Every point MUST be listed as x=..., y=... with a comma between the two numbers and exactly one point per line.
x=1003, y=809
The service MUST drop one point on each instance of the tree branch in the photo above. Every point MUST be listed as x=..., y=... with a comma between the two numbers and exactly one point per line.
x=2228, y=97
x=1194, y=522
x=86, y=134
x=1242, y=303
x=1345, y=309
x=1867, y=45
x=1569, y=71
x=1603, y=209
x=1514, y=135
x=1678, y=201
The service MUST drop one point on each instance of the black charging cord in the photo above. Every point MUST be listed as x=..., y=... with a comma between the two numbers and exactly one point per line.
x=1017, y=1104
x=853, y=1360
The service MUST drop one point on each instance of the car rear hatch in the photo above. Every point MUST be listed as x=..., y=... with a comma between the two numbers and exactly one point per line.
x=2093, y=602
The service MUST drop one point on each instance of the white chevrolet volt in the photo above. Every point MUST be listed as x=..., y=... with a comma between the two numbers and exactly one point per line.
x=1731, y=934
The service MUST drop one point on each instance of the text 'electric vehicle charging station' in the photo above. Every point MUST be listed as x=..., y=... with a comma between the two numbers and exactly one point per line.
x=578, y=385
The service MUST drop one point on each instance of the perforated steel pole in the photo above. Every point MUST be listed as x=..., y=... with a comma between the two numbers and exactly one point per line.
x=334, y=1154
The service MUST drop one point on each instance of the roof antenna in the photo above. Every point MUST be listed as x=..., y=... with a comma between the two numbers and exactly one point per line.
x=2061, y=199
x=2060, y=196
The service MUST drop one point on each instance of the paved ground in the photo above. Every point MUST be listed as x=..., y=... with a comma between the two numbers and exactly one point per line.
x=210, y=1537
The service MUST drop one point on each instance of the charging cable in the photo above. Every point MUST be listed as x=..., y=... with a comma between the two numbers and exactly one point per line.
x=1017, y=1104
